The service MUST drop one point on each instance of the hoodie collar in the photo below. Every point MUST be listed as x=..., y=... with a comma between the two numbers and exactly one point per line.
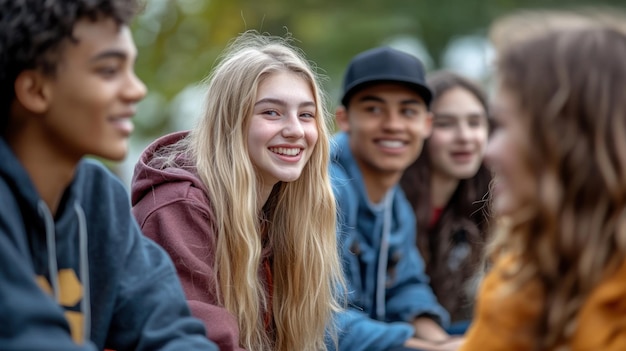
x=16, y=176
x=342, y=154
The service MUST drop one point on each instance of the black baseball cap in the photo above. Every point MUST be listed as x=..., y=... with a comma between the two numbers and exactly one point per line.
x=381, y=65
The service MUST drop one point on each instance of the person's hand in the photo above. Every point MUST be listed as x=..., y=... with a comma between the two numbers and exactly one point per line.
x=420, y=344
x=450, y=344
x=427, y=329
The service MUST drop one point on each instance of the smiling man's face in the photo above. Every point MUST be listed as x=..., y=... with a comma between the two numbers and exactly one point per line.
x=387, y=123
x=93, y=94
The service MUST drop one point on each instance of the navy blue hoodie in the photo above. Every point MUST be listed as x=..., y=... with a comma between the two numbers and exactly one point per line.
x=88, y=274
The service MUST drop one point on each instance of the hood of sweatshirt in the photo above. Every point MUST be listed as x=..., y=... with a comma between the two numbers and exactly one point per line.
x=149, y=175
x=176, y=199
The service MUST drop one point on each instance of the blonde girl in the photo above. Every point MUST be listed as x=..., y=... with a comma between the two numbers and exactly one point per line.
x=243, y=202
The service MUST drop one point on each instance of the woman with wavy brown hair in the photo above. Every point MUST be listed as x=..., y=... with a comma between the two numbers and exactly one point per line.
x=559, y=152
x=447, y=187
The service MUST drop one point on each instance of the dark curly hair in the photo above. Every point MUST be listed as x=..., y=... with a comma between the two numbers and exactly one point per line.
x=31, y=32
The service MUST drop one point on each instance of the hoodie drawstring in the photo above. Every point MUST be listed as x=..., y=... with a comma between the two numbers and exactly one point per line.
x=52, y=247
x=85, y=304
x=383, y=257
x=53, y=272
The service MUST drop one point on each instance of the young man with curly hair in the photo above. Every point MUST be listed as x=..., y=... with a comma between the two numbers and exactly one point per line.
x=75, y=271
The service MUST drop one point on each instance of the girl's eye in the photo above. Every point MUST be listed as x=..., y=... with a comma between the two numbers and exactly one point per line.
x=477, y=121
x=270, y=113
x=307, y=115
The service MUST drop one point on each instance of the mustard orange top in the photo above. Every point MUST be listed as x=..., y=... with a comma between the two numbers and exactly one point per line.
x=505, y=322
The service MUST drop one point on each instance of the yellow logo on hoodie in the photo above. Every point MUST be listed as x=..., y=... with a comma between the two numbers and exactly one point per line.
x=70, y=294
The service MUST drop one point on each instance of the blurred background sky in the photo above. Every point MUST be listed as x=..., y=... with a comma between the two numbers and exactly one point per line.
x=178, y=42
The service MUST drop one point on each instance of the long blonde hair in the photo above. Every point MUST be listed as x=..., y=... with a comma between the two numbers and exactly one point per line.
x=569, y=82
x=306, y=270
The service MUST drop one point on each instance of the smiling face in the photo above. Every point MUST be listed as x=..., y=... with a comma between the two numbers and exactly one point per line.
x=283, y=131
x=92, y=95
x=459, y=136
x=506, y=155
x=387, y=124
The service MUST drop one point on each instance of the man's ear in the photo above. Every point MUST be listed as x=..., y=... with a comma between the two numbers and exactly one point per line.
x=32, y=90
x=341, y=117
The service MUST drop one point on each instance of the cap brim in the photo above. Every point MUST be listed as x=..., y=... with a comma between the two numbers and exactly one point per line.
x=422, y=90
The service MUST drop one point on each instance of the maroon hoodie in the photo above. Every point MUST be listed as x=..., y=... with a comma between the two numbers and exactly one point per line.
x=172, y=208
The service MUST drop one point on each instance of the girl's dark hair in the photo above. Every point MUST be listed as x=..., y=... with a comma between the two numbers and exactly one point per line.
x=463, y=222
x=31, y=32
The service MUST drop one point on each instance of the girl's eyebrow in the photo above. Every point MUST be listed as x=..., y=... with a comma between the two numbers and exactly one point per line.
x=283, y=103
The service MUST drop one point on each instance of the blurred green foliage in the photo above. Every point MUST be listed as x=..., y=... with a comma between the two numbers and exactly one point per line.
x=179, y=40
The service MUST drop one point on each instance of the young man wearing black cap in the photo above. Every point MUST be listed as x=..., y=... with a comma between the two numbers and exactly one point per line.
x=384, y=119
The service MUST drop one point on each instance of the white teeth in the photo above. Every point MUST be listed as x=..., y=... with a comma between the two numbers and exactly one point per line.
x=285, y=151
x=391, y=143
